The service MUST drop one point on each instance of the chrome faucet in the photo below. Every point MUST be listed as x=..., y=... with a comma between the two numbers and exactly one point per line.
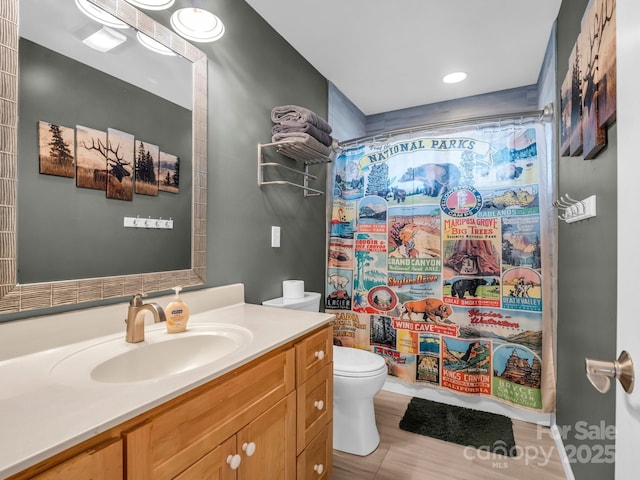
x=135, y=317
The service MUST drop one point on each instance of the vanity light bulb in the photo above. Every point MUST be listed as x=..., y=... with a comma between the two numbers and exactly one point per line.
x=154, y=45
x=152, y=4
x=99, y=15
x=197, y=25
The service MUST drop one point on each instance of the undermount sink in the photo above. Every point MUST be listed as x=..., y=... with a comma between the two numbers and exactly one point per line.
x=159, y=355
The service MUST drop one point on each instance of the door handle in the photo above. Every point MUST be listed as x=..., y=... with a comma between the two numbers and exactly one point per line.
x=599, y=372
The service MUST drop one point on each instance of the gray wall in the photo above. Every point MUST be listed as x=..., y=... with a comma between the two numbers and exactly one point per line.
x=586, y=276
x=251, y=70
x=66, y=232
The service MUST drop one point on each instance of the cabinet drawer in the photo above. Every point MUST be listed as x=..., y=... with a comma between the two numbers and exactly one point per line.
x=313, y=354
x=104, y=462
x=315, y=405
x=176, y=438
x=316, y=462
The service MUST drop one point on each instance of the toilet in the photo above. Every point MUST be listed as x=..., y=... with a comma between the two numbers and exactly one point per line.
x=358, y=375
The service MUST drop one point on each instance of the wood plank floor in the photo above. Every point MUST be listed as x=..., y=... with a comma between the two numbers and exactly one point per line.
x=403, y=455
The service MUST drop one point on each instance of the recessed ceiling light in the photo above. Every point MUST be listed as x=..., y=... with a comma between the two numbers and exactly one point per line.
x=154, y=45
x=197, y=25
x=454, y=77
x=99, y=15
x=152, y=4
x=104, y=39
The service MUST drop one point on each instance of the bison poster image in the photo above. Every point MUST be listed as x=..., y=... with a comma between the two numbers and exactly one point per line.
x=435, y=259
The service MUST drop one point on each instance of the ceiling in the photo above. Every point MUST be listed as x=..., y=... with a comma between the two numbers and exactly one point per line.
x=386, y=56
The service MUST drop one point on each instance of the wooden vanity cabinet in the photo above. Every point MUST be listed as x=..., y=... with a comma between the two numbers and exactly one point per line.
x=169, y=443
x=260, y=421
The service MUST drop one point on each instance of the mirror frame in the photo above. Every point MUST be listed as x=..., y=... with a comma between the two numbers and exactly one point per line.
x=15, y=297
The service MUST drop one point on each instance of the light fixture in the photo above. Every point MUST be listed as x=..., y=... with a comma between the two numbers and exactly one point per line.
x=153, y=45
x=197, y=25
x=152, y=4
x=454, y=77
x=104, y=39
x=99, y=15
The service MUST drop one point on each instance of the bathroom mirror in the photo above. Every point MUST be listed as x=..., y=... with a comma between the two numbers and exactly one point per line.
x=18, y=296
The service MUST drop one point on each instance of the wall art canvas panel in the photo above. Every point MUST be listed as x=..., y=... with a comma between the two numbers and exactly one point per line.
x=575, y=135
x=169, y=173
x=91, y=161
x=120, y=165
x=594, y=136
x=56, y=146
x=565, y=115
x=147, y=168
x=604, y=25
x=435, y=259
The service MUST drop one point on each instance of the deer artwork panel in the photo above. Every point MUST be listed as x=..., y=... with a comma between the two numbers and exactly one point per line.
x=91, y=160
x=119, y=154
x=147, y=168
x=589, y=91
x=56, y=146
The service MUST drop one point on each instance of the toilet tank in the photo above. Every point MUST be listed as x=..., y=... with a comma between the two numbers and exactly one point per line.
x=310, y=302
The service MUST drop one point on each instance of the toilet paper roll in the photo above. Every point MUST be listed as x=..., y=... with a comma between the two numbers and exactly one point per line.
x=293, y=289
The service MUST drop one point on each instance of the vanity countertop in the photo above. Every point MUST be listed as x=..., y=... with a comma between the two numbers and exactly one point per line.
x=42, y=414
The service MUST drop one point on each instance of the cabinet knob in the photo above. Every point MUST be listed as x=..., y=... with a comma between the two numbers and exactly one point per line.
x=319, y=404
x=234, y=461
x=319, y=354
x=249, y=448
x=318, y=468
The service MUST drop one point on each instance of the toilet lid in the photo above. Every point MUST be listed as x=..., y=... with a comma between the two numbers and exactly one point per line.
x=352, y=362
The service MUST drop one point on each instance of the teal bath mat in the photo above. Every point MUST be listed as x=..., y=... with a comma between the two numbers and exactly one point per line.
x=486, y=431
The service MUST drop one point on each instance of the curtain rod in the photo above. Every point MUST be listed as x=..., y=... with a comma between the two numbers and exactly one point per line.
x=544, y=115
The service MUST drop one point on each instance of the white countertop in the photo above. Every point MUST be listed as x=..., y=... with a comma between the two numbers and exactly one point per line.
x=42, y=414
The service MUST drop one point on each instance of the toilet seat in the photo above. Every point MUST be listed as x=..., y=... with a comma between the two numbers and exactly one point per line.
x=352, y=362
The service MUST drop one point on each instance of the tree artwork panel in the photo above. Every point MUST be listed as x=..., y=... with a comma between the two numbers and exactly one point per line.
x=91, y=161
x=147, y=168
x=169, y=173
x=56, y=145
x=119, y=172
x=575, y=134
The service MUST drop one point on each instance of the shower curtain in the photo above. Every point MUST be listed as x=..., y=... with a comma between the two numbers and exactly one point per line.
x=436, y=260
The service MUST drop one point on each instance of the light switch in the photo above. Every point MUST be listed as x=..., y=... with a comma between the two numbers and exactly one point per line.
x=275, y=236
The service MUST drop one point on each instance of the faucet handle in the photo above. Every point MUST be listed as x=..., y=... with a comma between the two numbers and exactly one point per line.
x=136, y=300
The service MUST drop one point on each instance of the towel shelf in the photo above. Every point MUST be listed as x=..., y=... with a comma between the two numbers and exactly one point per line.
x=297, y=151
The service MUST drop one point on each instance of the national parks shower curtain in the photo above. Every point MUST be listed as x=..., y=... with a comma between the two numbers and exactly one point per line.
x=435, y=259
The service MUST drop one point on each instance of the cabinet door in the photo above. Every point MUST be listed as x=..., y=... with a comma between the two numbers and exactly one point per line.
x=268, y=444
x=214, y=465
x=103, y=462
